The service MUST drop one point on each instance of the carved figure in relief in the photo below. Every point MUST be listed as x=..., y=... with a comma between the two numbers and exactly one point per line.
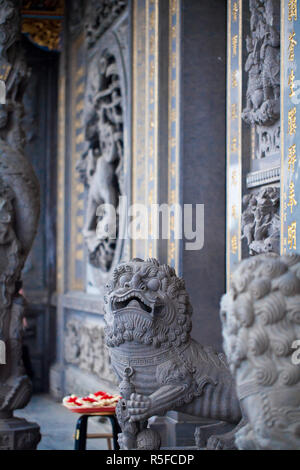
x=261, y=221
x=99, y=15
x=263, y=65
x=148, y=325
x=254, y=93
x=85, y=346
x=101, y=163
x=261, y=319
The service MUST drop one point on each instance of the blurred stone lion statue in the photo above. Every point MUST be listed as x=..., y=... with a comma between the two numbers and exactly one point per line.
x=160, y=367
x=261, y=325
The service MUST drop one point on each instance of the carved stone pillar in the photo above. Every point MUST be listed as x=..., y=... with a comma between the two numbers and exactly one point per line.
x=253, y=130
x=19, y=213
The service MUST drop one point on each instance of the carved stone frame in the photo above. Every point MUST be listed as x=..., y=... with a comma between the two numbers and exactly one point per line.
x=110, y=41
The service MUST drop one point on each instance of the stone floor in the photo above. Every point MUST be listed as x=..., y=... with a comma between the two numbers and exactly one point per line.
x=58, y=424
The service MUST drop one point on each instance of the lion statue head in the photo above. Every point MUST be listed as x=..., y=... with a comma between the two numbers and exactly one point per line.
x=147, y=303
x=261, y=325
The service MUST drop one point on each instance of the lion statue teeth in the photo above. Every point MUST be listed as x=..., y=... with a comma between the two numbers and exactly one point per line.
x=148, y=326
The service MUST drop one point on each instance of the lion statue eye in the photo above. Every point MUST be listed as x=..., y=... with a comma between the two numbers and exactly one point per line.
x=125, y=279
x=153, y=284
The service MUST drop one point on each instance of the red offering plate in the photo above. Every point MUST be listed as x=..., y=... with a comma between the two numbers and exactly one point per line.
x=84, y=410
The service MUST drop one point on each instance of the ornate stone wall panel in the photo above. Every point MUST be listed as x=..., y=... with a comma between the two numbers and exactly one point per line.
x=156, y=152
x=253, y=147
x=234, y=136
x=290, y=172
x=99, y=16
x=85, y=346
x=76, y=250
x=105, y=160
x=138, y=114
x=95, y=85
x=82, y=383
x=60, y=237
x=261, y=220
x=174, y=122
x=262, y=98
x=152, y=65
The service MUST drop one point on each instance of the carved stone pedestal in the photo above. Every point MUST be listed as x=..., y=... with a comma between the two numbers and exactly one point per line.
x=177, y=429
x=17, y=433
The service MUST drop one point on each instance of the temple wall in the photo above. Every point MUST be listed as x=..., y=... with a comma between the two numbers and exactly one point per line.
x=168, y=96
x=203, y=169
x=82, y=363
x=39, y=273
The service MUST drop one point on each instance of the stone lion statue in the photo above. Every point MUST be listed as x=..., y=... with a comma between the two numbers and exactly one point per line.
x=261, y=323
x=148, y=326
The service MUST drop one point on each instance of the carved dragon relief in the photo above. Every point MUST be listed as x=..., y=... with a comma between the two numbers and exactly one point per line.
x=101, y=164
x=99, y=15
x=148, y=325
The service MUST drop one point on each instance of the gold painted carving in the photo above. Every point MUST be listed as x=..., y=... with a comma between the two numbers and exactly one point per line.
x=43, y=32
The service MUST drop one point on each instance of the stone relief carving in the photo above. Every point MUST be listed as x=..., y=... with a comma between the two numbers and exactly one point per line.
x=261, y=319
x=148, y=325
x=94, y=16
x=85, y=347
x=261, y=220
x=101, y=163
x=263, y=65
x=269, y=141
x=19, y=214
x=10, y=27
x=263, y=68
x=99, y=15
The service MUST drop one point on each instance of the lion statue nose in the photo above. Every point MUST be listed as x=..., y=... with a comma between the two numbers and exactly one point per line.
x=135, y=282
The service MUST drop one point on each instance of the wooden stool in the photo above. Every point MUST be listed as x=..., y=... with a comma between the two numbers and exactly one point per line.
x=81, y=430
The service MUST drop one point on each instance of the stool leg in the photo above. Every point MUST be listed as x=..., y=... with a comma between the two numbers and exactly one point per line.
x=115, y=431
x=109, y=443
x=80, y=433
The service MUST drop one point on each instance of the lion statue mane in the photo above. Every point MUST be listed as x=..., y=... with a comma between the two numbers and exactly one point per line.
x=261, y=329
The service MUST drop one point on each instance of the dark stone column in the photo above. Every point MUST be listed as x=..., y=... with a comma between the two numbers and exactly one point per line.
x=203, y=94
x=19, y=214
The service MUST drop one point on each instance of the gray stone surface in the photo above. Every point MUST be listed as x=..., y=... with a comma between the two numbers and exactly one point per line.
x=202, y=173
x=261, y=321
x=101, y=164
x=58, y=425
x=261, y=220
